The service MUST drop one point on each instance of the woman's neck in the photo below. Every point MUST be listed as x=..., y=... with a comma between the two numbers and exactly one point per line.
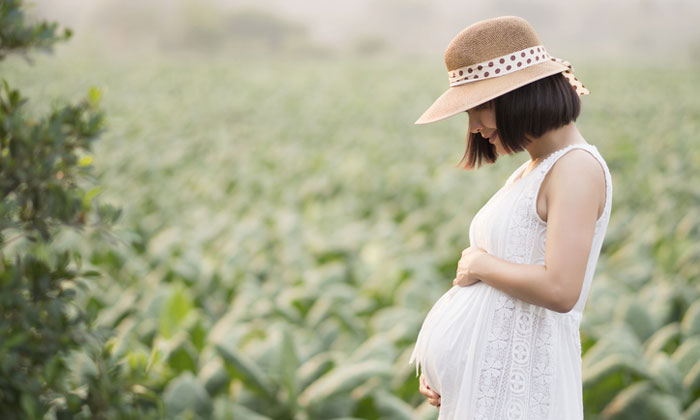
x=553, y=140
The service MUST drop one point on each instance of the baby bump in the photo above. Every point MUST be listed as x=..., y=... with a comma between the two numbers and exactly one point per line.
x=453, y=330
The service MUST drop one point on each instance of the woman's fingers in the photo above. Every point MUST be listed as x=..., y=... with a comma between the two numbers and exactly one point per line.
x=435, y=401
x=461, y=276
x=424, y=388
x=432, y=396
x=461, y=280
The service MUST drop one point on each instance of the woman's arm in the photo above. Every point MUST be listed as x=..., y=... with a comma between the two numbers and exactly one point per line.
x=574, y=193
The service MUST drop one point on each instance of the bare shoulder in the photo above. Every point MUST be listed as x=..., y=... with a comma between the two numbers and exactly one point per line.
x=578, y=165
x=579, y=176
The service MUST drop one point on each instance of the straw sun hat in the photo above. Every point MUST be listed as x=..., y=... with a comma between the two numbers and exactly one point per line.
x=490, y=58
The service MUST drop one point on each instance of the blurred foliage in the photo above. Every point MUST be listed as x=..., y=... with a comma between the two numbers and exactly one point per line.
x=41, y=162
x=17, y=36
x=271, y=30
x=282, y=241
x=369, y=45
x=205, y=28
x=52, y=364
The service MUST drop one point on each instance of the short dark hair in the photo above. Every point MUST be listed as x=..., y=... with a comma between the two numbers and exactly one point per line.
x=523, y=114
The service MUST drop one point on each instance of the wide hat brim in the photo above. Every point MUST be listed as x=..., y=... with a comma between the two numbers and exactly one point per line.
x=460, y=98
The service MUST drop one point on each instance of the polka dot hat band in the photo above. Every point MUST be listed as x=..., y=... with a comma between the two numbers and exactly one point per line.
x=509, y=63
x=490, y=58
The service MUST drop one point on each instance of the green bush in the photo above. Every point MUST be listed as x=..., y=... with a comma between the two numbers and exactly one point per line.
x=51, y=361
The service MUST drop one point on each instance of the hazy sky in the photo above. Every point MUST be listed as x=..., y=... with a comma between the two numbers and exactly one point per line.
x=641, y=28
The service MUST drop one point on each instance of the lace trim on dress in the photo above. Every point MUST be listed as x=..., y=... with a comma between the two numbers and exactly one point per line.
x=516, y=377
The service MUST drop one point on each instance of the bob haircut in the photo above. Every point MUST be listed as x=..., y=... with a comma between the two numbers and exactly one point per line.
x=523, y=114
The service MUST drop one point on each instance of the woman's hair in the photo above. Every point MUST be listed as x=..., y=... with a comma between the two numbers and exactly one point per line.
x=523, y=114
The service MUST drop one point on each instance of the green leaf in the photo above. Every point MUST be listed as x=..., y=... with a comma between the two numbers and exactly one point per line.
x=630, y=403
x=137, y=360
x=313, y=368
x=112, y=315
x=289, y=362
x=617, y=340
x=692, y=378
x=376, y=347
x=84, y=369
x=687, y=354
x=425, y=411
x=91, y=273
x=94, y=96
x=185, y=394
x=664, y=407
x=53, y=368
x=691, y=320
x=175, y=309
x=30, y=405
x=246, y=370
x=637, y=317
x=180, y=354
x=343, y=380
x=239, y=411
x=319, y=312
x=87, y=161
x=214, y=376
x=663, y=340
x=15, y=339
x=665, y=375
x=610, y=365
x=693, y=411
x=392, y=407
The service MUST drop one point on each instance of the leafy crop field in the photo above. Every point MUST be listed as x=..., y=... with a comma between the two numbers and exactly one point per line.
x=286, y=228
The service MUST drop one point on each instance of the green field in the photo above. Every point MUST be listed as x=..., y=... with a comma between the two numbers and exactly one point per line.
x=286, y=228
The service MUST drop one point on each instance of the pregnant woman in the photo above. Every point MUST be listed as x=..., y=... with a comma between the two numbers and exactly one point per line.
x=503, y=342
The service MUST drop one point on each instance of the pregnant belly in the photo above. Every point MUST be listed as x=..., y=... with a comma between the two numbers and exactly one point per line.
x=451, y=333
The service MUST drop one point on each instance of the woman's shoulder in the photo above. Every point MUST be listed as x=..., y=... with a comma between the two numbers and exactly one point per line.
x=582, y=161
x=580, y=174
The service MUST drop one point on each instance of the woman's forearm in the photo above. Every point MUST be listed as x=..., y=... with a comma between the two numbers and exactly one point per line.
x=528, y=282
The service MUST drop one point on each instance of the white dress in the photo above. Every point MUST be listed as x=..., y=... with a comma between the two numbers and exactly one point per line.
x=491, y=356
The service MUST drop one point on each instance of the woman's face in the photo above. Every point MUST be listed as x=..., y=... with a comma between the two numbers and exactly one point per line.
x=482, y=119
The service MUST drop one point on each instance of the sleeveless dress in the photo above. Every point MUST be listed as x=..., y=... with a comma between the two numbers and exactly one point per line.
x=491, y=356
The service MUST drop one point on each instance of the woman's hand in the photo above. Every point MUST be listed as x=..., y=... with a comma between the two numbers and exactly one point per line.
x=465, y=267
x=432, y=396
